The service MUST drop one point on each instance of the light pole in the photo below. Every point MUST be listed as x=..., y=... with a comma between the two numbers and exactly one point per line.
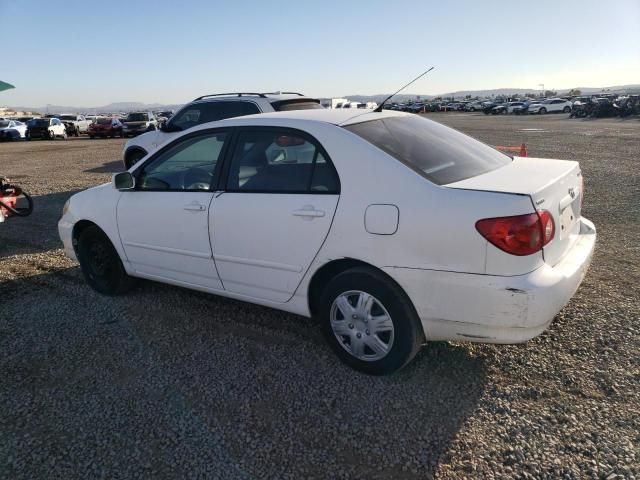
x=542, y=86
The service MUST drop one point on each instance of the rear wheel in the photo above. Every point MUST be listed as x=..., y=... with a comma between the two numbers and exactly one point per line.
x=566, y=109
x=369, y=321
x=543, y=111
x=52, y=136
x=101, y=264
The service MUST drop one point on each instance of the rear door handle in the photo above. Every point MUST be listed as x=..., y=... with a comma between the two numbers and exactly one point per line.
x=195, y=207
x=308, y=211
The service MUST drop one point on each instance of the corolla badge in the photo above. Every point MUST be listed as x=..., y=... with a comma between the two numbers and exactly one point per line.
x=572, y=192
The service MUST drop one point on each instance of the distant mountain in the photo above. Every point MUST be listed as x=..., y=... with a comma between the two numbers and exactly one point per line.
x=118, y=107
x=115, y=107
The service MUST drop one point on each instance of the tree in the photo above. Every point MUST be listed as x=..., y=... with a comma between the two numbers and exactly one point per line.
x=530, y=95
x=467, y=97
x=574, y=92
x=550, y=93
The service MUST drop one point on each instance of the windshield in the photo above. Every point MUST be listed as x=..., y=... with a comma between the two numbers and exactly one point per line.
x=103, y=121
x=4, y=124
x=67, y=117
x=137, y=117
x=441, y=154
x=39, y=122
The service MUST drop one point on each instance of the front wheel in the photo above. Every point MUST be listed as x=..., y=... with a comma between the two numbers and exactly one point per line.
x=52, y=135
x=542, y=111
x=101, y=264
x=369, y=321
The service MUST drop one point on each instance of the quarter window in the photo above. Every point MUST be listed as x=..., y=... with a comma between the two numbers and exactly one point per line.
x=278, y=160
x=188, y=166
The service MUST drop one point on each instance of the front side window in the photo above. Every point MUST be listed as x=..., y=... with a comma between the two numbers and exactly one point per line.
x=189, y=165
x=280, y=161
x=210, y=112
x=441, y=154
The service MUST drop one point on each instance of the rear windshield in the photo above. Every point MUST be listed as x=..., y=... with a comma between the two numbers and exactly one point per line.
x=439, y=153
x=286, y=105
x=39, y=122
x=3, y=124
x=67, y=117
x=103, y=121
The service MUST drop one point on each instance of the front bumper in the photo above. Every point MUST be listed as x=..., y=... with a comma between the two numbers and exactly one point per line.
x=496, y=309
x=65, y=230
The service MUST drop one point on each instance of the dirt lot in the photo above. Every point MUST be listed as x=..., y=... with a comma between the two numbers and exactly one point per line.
x=166, y=382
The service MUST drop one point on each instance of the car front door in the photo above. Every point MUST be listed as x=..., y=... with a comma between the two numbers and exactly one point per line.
x=280, y=197
x=163, y=222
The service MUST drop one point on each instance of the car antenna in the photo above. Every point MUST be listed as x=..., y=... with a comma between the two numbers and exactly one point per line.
x=379, y=107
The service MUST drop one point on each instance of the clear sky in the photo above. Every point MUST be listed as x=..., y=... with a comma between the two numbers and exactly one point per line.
x=91, y=52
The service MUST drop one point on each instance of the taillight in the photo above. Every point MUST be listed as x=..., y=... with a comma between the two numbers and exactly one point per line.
x=518, y=235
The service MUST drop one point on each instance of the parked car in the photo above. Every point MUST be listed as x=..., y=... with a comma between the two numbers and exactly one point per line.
x=106, y=127
x=214, y=107
x=139, y=122
x=75, y=124
x=163, y=117
x=285, y=210
x=473, y=106
x=551, y=105
x=46, y=128
x=12, y=130
x=489, y=106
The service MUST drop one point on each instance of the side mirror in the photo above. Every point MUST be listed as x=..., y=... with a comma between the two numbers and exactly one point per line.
x=123, y=181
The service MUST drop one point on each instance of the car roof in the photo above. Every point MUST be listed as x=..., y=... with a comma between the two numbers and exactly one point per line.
x=334, y=116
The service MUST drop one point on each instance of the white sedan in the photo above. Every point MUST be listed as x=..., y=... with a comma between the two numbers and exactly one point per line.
x=391, y=229
x=12, y=130
x=551, y=105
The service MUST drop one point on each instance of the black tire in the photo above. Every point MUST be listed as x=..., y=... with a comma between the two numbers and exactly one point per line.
x=542, y=111
x=101, y=264
x=472, y=109
x=131, y=158
x=92, y=137
x=77, y=134
x=566, y=109
x=52, y=136
x=408, y=333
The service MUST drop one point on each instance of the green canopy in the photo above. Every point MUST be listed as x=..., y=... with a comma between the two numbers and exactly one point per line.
x=5, y=86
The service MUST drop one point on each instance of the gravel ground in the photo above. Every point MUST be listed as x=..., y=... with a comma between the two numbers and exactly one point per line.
x=166, y=382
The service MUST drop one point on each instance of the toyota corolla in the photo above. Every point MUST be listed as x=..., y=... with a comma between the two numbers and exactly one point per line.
x=391, y=229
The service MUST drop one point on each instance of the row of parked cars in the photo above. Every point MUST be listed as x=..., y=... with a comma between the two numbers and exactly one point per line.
x=63, y=126
x=577, y=106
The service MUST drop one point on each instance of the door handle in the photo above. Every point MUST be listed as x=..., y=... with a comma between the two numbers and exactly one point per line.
x=308, y=211
x=195, y=207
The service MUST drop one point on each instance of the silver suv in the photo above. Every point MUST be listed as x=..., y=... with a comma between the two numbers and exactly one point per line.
x=209, y=108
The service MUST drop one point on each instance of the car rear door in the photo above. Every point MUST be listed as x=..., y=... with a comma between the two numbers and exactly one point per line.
x=280, y=196
x=163, y=223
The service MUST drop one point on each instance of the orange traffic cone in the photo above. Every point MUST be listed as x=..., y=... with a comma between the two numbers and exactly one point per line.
x=523, y=150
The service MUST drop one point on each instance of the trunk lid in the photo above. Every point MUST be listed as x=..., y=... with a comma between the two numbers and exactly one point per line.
x=552, y=185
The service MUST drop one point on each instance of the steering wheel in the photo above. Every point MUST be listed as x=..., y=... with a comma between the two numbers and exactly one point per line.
x=197, y=178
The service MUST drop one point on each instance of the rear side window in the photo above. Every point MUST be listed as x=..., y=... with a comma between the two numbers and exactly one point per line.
x=210, y=112
x=280, y=161
x=441, y=154
x=287, y=105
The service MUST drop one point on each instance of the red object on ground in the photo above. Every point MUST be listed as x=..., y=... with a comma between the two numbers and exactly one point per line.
x=522, y=149
x=9, y=199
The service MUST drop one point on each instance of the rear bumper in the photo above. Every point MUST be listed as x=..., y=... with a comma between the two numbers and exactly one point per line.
x=496, y=309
